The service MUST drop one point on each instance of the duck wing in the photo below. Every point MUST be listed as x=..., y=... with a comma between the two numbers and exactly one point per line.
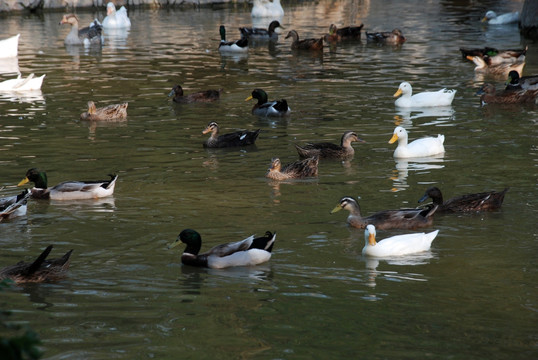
x=490, y=200
x=227, y=249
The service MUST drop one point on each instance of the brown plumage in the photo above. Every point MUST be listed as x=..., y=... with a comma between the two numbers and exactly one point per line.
x=387, y=219
x=485, y=201
x=343, y=34
x=295, y=170
x=40, y=270
x=484, y=65
x=306, y=44
x=201, y=96
x=343, y=151
x=395, y=37
x=489, y=95
x=110, y=112
x=494, y=56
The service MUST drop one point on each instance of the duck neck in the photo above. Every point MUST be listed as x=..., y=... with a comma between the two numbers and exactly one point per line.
x=40, y=180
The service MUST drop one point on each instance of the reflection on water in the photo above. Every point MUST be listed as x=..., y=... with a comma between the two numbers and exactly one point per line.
x=441, y=115
x=423, y=165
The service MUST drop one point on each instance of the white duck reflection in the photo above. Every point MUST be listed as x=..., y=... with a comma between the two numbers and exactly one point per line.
x=116, y=38
x=443, y=114
x=393, y=275
x=403, y=166
x=30, y=97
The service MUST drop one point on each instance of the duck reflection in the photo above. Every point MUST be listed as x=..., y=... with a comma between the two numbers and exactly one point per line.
x=372, y=264
x=31, y=97
x=116, y=38
x=403, y=166
x=93, y=125
x=406, y=116
x=106, y=204
x=228, y=60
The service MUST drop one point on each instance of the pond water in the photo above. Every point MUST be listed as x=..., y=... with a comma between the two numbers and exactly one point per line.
x=473, y=296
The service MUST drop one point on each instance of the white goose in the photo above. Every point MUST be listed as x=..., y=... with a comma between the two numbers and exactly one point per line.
x=423, y=147
x=9, y=47
x=266, y=8
x=396, y=245
x=22, y=84
x=442, y=97
x=116, y=19
x=492, y=18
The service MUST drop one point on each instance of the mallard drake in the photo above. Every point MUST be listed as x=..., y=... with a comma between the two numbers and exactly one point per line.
x=110, y=112
x=489, y=95
x=200, y=96
x=442, y=97
x=261, y=34
x=248, y=252
x=395, y=37
x=68, y=190
x=508, y=18
x=40, y=270
x=485, y=201
x=495, y=69
x=296, y=170
x=515, y=82
x=14, y=206
x=116, y=19
x=238, y=46
x=423, y=147
x=91, y=35
x=306, y=44
x=326, y=150
x=493, y=56
x=386, y=219
x=266, y=8
x=20, y=84
x=9, y=47
x=268, y=108
x=396, y=245
x=343, y=34
x=238, y=138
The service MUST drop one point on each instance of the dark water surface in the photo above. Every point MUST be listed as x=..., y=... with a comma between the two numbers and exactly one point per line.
x=473, y=296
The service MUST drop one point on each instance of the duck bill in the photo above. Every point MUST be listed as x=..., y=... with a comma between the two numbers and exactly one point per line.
x=398, y=93
x=336, y=209
x=171, y=93
x=174, y=244
x=23, y=181
x=393, y=139
x=484, y=19
x=206, y=131
x=422, y=199
x=249, y=98
x=371, y=239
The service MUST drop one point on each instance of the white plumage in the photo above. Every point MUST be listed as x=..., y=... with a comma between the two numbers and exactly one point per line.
x=9, y=47
x=22, y=84
x=396, y=245
x=423, y=147
x=492, y=18
x=442, y=97
x=266, y=8
x=116, y=19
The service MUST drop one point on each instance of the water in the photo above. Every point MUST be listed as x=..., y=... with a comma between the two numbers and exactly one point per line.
x=127, y=296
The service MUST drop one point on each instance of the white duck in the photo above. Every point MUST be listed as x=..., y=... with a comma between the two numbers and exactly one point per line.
x=396, y=245
x=266, y=8
x=492, y=18
x=9, y=47
x=20, y=85
x=442, y=97
x=423, y=147
x=116, y=19
x=248, y=252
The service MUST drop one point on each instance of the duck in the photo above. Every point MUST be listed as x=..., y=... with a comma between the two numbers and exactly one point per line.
x=515, y=82
x=343, y=34
x=441, y=97
x=260, y=33
x=248, y=252
x=110, y=112
x=238, y=138
x=306, y=44
x=20, y=84
x=9, y=47
x=326, y=150
x=296, y=170
x=386, y=219
x=238, y=46
x=14, y=206
x=493, y=19
x=268, y=108
x=484, y=201
x=494, y=56
x=423, y=147
x=90, y=35
x=395, y=37
x=489, y=95
x=40, y=270
x=266, y=8
x=502, y=69
x=396, y=245
x=200, y=96
x=116, y=19
x=68, y=190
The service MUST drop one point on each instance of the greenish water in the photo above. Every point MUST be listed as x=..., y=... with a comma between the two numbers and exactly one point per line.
x=473, y=296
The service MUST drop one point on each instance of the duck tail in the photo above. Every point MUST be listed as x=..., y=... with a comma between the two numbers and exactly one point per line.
x=37, y=262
